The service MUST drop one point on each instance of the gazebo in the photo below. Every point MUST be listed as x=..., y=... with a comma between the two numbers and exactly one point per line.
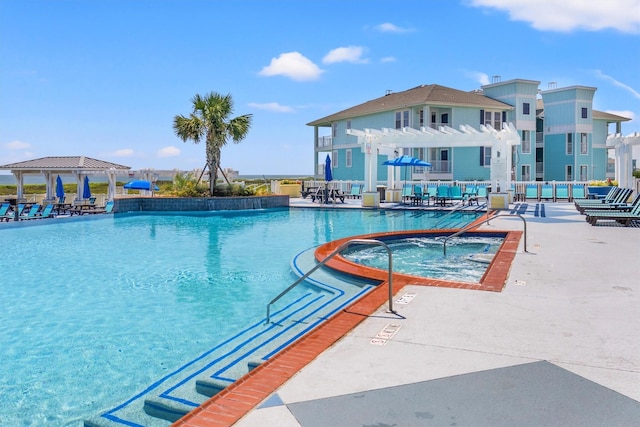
x=78, y=166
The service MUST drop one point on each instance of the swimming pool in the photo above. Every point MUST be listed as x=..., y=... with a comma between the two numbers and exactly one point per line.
x=94, y=310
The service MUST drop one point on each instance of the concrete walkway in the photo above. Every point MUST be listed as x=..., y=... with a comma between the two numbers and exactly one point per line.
x=559, y=346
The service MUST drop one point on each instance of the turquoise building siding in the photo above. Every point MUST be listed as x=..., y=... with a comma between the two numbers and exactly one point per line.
x=546, y=117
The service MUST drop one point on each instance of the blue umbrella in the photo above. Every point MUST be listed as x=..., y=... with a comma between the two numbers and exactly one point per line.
x=328, y=176
x=140, y=185
x=406, y=161
x=327, y=169
x=59, y=188
x=86, y=192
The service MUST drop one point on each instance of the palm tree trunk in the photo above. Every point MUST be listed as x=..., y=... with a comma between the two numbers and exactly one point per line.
x=212, y=163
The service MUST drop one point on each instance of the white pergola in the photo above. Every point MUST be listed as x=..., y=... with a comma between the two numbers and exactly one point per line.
x=388, y=141
x=78, y=166
x=624, y=157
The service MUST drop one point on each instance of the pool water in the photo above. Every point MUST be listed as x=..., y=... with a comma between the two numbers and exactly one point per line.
x=465, y=261
x=94, y=310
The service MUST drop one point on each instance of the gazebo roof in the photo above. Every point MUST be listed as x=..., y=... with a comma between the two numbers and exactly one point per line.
x=64, y=163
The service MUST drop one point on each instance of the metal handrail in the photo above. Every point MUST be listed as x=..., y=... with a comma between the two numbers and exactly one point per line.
x=474, y=225
x=331, y=255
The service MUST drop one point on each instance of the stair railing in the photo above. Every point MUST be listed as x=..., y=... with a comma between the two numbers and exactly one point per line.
x=329, y=257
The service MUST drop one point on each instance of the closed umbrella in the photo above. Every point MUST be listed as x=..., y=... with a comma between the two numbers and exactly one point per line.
x=86, y=192
x=328, y=176
x=59, y=189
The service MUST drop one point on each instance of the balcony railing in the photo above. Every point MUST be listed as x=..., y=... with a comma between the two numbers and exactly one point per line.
x=324, y=141
x=440, y=166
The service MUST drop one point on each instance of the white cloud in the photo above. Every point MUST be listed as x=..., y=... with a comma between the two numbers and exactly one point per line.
x=351, y=54
x=388, y=27
x=293, y=65
x=624, y=113
x=272, y=106
x=569, y=15
x=17, y=145
x=481, y=78
x=617, y=83
x=388, y=59
x=125, y=152
x=169, y=151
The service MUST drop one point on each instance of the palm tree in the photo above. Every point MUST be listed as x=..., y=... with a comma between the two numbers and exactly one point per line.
x=209, y=121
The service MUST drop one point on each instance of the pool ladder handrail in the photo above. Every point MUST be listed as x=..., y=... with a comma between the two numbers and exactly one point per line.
x=329, y=257
x=477, y=224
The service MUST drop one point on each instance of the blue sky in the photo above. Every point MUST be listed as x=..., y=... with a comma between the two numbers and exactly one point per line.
x=104, y=79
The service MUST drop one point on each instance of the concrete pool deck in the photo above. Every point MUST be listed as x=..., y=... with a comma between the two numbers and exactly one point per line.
x=560, y=345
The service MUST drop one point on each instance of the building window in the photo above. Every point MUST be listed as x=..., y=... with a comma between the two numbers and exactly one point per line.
x=421, y=114
x=493, y=119
x=584, y=113
x=348, y=157
x=402, y=119
x=526, y=172
x=583, y=172
x=568, y=173
x=334, y=159
x=569, y=149
x=485, y=156
x=583, y=143
x=444, y=118
x=526, y=108
x=526, y=142
x=348, y=124
x=334, y=130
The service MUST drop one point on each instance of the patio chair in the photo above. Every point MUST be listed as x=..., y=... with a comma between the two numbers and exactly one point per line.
x=432, y=191
x=419, y=195
x=407, y=193
x=531, y=191
x=546, y=192
x=577, y=193
x=471, y=194
x=455, y=193
x=624, y=218
x=443, y=195
x=482, y=191
x=562, y=192
x=356, y=191
x=11, y=212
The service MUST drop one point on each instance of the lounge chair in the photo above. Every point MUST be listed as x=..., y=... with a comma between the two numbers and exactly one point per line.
x=108, y=208
x=607, y=199
x=619, y=197
x=471, y=194
x=4, y=208
x=13, y=212
x=47, y=212
x=611, y=207
x=482, y=191
x=546, y=192
x=625, y=218
x=33, y=211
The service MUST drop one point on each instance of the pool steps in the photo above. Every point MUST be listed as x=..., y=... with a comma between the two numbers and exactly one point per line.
x=183, y=390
